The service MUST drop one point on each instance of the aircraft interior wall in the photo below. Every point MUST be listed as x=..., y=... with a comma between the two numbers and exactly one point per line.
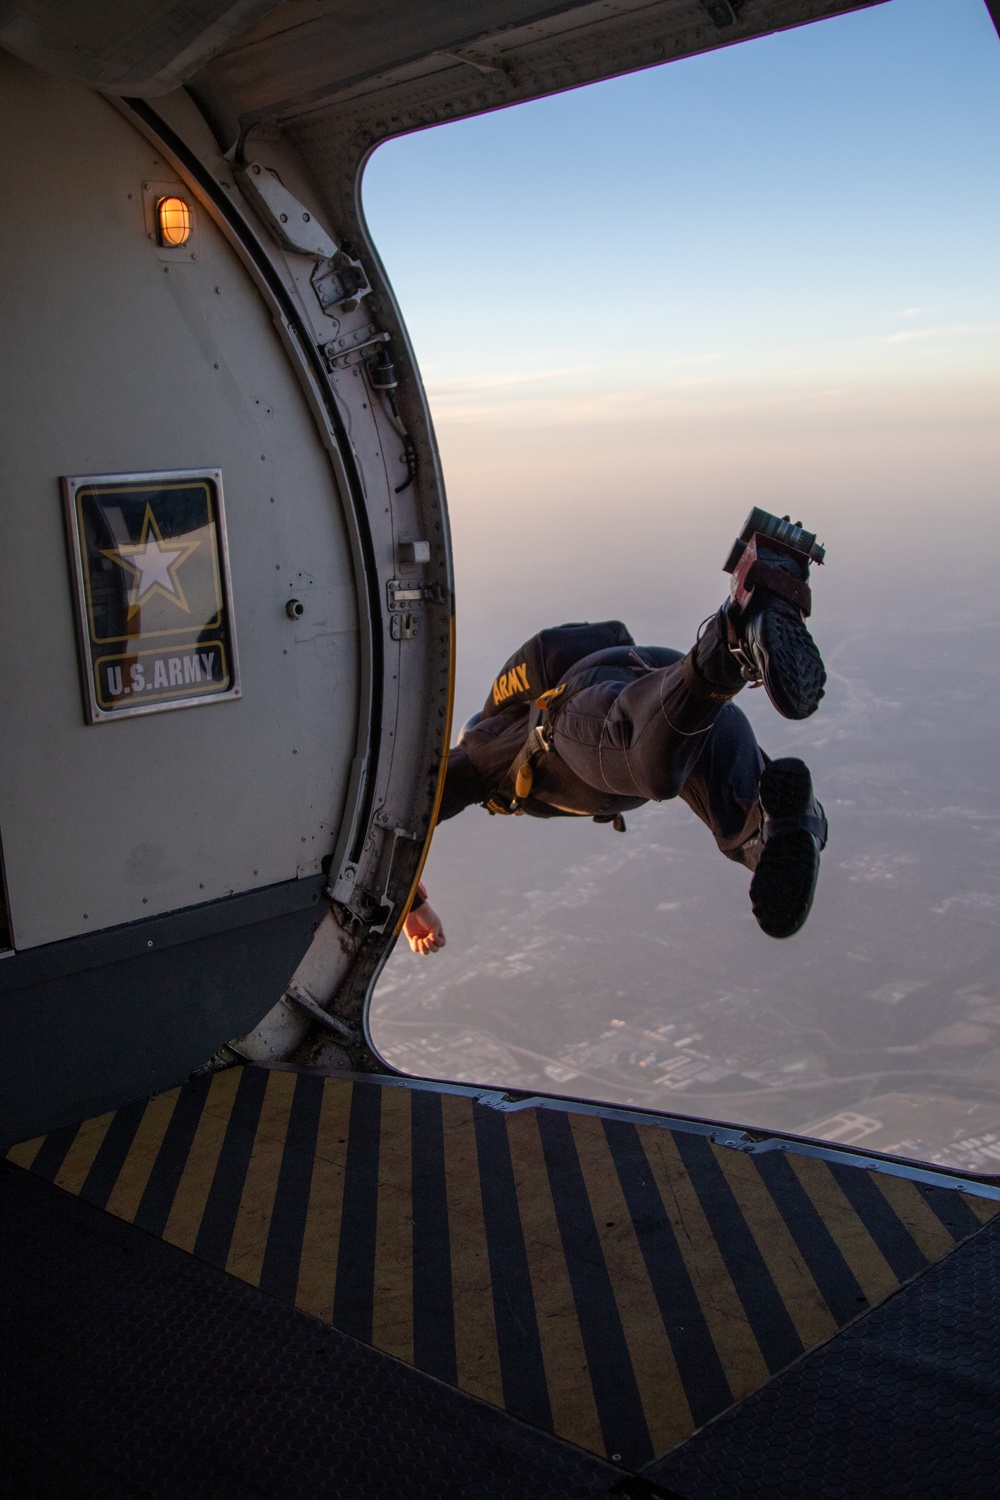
x=226, y=606
x=124, y=358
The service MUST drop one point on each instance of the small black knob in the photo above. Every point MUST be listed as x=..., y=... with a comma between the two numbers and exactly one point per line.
x=295, y=609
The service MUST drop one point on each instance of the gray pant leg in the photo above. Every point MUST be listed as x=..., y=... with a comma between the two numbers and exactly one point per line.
x=643, y=738
x=722, y=788
x=660, y=737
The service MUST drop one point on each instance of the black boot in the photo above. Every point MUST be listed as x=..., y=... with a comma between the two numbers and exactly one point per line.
x=793, y=831
x=770, y=641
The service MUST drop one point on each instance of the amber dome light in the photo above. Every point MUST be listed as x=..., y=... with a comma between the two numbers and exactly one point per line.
x=174, y=222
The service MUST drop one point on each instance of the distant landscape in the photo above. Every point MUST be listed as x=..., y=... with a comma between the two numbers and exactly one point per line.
x=627, y=345
x=629, y=968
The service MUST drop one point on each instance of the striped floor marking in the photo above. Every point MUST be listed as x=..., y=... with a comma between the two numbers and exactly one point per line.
x=615, y=1284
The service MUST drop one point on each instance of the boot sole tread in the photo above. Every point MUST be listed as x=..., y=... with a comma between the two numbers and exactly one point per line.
x=792, y=667
x=784, y=883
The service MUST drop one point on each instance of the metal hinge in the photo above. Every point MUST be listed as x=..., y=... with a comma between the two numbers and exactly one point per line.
x=352, y=348
x=291, y=223
x=344, y=885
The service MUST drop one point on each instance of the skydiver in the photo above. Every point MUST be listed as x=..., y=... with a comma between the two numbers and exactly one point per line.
x=582, y=722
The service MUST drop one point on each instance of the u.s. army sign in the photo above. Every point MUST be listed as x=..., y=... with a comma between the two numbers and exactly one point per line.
x=150, y=567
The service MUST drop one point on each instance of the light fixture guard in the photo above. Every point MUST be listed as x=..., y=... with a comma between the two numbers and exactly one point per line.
x=174, y=222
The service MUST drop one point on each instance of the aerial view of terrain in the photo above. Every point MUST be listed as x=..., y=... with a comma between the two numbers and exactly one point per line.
x=630, y=968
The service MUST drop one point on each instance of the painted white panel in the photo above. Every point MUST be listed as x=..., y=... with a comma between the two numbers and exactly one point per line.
x=116, y=359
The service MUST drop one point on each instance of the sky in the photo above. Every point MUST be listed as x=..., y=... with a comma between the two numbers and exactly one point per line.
x=764, y=276
x=816, y=203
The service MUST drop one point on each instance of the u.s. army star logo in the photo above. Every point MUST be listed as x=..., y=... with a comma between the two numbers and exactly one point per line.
x=152, y=588
x=153, y=565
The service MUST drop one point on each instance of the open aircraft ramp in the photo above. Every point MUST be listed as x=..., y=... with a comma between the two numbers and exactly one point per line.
x=267, y=1279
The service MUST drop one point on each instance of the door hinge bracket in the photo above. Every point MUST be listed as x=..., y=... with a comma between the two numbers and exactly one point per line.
x=313, y=1008
x=291, y=223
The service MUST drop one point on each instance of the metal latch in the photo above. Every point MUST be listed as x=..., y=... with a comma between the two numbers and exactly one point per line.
x=403, y=598
x=404, y=626
x=401, y=593
x=376, y=911
x=404, y=619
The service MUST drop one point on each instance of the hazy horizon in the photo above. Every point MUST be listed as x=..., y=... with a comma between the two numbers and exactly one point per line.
x=763, y=276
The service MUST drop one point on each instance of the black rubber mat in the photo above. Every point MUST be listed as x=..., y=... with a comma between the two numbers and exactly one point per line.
x=905, y=1403
x=131, y=1369
x=614, y=1283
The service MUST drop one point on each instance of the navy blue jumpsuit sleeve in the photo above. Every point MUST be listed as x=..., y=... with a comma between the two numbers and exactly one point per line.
x=463, y=785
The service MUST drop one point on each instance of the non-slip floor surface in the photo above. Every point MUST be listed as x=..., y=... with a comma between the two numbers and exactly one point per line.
x=614, y=1283
x=133, y=1371
x=903, y=1406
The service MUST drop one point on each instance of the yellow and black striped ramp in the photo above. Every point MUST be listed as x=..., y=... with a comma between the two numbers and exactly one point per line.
x=615, y=1283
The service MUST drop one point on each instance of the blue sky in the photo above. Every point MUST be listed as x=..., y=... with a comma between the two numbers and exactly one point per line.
x=764, y=276
x=815, y=204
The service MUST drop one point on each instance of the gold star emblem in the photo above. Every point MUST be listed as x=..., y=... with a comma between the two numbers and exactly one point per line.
x=153, y=565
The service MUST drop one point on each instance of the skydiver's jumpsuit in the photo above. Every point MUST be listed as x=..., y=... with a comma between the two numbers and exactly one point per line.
x=634, y=724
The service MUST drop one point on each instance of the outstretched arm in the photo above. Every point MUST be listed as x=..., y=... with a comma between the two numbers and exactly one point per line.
x=423, y=928
x=463, y=785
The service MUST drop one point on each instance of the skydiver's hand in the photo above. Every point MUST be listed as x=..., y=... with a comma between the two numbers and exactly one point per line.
x=423, y=929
